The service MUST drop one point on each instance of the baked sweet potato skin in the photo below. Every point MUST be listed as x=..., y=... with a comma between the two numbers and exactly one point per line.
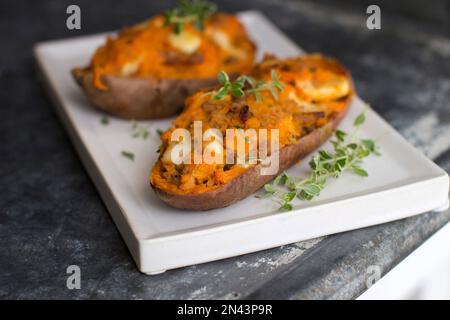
x=252, y=180
x=139, y=98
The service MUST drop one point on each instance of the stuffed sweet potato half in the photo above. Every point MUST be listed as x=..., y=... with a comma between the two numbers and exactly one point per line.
x=149, y=69
x=300, y=99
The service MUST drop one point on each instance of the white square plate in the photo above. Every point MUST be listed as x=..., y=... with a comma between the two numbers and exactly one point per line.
x=402, y=182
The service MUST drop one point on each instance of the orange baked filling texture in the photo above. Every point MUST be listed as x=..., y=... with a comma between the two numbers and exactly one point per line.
x=147, y=49
x=314, y=88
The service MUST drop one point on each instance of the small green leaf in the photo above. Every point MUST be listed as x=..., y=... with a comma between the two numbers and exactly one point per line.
x=324, y=155
x=250, y=80
x=105, y=120
x=192, y=11
x=360, y=119
x=352, y=146
x=363, y=153
x=128, y=155
x=222, y=77
x=159, y=131
x=273, y=74
x=340, y=135
x=288, y=197
x=314, y=163
x=221, y=93
x=334, y=143
x=312, y=189
x=281, y=179
x=199, y=25
x=240, y=82
x=236, y=90
x=340, y=164
x=303, y=195
x=369, y=144
x=269, y=188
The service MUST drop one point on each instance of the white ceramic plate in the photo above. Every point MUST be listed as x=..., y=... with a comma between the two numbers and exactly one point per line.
x=402, y=182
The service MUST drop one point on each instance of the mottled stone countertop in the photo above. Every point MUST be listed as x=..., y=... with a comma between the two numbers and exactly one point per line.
x=51, y=216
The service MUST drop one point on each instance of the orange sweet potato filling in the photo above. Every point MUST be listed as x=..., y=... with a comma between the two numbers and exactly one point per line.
x=148, y=46
x=292, y=116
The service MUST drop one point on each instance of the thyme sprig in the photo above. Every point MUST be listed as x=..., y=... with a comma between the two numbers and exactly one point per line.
x=189, y=11
x=348, y=154
x=247, y=85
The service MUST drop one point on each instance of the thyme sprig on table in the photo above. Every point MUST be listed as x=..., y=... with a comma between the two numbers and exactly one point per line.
x=348, y=154
x=247, y=85
x=189, y=11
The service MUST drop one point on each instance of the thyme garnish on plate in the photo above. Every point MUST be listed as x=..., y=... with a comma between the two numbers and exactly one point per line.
x=139, y=131
x=189, y=11
x=348, y=154
x=128, y=154
x=247, y=85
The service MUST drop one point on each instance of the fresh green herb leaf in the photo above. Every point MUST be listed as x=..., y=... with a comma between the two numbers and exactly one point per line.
x=369, y=144
x=288, y=197
x=269, y=189
x=303, y=195
x=281, y=179
x=324, y=155
x=139, y=131
x=360, y=119
x=286, y=207
x=311, y=189
x=360, y=171
x=239, y=88
x=189, y=11
x=340, y=135
x=104, y=120
x=222, y=77
x=159, y=131
x=128, y=155
x=348, y=154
